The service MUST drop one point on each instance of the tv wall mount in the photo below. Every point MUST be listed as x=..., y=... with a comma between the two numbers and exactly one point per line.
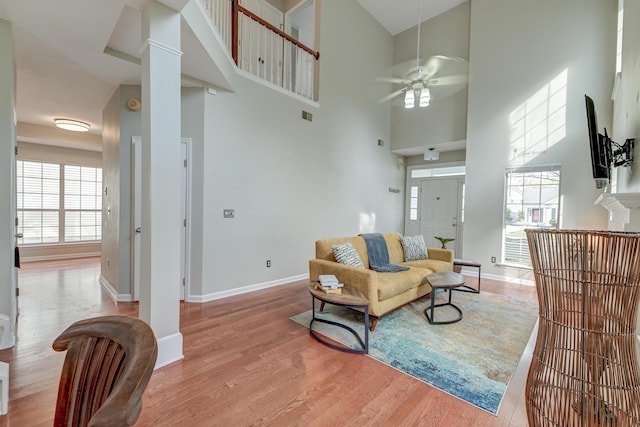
x=619, y=155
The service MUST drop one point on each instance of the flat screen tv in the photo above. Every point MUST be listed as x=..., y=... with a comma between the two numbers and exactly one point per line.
x=600, y=146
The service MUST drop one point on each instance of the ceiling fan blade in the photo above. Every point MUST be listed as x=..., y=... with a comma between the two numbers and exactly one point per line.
x=393, y=95
x=396, y=80
x=448, y=80
x=436, y=63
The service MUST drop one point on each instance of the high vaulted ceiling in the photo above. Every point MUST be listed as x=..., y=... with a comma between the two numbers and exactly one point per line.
x=61, y=46
x=399, y=15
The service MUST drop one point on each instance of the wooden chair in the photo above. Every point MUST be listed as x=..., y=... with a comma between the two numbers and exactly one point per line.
x=107, y=367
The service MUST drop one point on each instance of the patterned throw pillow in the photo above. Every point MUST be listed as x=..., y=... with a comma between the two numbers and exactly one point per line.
x=346, y=254
x=414, y=248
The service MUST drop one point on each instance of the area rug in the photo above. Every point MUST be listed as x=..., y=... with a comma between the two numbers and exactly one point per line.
x=473, y=359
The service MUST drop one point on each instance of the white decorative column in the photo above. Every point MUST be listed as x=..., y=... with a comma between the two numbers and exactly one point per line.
x=8, y=275
x=624, y=210
x=161, y=220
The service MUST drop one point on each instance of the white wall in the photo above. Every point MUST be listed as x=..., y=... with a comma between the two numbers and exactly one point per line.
x=291, y=181
x=516, y=48
x=626, y=121
x=119, y=125
x=445, y=120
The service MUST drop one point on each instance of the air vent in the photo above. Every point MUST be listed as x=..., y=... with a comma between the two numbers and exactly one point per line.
x=307, y=115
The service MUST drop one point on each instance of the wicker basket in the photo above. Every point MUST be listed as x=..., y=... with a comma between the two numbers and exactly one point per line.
x=584, y=370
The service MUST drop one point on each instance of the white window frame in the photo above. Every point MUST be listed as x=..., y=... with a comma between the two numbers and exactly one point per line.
x=526, y=211
x=61, y=211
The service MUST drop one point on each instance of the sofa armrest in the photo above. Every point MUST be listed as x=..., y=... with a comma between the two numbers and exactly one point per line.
x=362, y=279
x=441, y=254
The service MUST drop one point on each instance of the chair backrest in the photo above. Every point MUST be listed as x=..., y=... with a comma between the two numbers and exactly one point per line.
x=108, y=365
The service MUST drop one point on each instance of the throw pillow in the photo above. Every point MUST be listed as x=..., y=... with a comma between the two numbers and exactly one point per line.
x=346, y=254
x=414, y=247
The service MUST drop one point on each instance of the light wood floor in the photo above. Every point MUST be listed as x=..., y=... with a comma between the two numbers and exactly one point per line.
x=245, y=363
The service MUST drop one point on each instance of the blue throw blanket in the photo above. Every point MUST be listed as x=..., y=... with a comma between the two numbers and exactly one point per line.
x=379, y=254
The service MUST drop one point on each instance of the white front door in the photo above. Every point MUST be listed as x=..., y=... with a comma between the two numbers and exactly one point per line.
x=440, y=211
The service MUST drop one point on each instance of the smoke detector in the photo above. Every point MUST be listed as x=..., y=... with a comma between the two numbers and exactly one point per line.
x=431, y=154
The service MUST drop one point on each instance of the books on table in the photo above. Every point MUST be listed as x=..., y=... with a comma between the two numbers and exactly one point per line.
x=329, y=284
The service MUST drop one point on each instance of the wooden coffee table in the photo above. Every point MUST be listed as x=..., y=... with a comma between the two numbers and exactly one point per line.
x=447, y=281
x=350, y=298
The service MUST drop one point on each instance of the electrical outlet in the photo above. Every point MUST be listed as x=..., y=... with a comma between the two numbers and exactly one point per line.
x=229, y=213
x=493, y=259
x=268, y=263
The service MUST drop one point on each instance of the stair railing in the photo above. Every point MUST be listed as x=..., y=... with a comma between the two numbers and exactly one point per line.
x=264, y=50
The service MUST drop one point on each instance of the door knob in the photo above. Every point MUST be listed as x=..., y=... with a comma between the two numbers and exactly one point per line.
x=18, y=235
x=138, y=230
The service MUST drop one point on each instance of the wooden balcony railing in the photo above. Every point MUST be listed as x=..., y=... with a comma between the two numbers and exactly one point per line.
x=264, y=50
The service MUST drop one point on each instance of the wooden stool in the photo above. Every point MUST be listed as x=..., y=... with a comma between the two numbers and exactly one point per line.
x=468, y=263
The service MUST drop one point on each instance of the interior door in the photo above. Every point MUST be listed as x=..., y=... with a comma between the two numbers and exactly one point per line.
x=440, y=211
x=184, y=201
x=136, y=223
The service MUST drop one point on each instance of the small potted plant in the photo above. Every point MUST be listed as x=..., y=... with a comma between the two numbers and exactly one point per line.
x=444, y=241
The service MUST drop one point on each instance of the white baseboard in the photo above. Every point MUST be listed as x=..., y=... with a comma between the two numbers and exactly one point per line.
x=246, y=289
x=59, y=257
x=169, y=350
x=111, y=290
x=474, y=273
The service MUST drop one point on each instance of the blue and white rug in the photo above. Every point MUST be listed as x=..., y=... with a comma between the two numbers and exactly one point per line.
x=473, y=359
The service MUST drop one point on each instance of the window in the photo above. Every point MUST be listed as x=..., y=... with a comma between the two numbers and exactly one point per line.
x=58, y=203
x=438, y=172
x=413, y=203
x=532, y=201
x=619, y=36
x=82, y=203
x=38, y=199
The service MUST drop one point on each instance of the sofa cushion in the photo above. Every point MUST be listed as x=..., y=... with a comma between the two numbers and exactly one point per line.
x=433, y=265
x=346, y=254
x=392, y=284
x=414, y=247
x=396, y=253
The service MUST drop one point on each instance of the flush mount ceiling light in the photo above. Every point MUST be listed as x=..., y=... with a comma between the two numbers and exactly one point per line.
x=431, y=154
x=74, y=125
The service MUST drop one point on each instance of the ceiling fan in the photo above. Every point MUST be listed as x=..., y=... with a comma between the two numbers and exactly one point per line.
x=440, y=76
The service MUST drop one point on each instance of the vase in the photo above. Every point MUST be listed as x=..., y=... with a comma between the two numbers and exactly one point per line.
x=584, y=370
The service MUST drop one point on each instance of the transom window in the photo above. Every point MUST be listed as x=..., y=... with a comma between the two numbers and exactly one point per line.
x=58, y=203
x=532, y=201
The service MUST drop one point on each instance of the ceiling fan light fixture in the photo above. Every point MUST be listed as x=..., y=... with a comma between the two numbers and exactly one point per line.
x=425, y=97
x=409, y=99
x=72, y=125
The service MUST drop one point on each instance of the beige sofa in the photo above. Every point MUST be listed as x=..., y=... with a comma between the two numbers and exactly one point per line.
x=385, y=291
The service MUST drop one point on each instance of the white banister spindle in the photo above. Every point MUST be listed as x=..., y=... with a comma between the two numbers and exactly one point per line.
x=263, y=52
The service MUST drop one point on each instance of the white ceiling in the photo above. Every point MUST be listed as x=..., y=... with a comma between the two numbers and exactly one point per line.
x=62, y=69
x=399, y=15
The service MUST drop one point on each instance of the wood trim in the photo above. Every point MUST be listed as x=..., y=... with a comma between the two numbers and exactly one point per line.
x=234, y=30
x=278, y=31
